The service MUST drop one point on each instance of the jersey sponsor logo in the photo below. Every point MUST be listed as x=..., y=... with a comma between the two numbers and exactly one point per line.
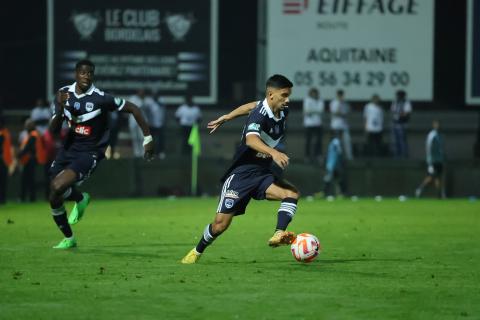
x=231, y=194
x=76, y=105
x=229, y=203
x=262, y=155
x=83, y=130
x=254, y=126
x=89, y=106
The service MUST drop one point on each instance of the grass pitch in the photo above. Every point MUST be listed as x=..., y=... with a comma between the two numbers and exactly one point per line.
x=386, y=260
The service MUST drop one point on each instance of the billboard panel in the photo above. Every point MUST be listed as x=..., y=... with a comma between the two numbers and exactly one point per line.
x=472, y=95
x=165, y=46
x=362, y=46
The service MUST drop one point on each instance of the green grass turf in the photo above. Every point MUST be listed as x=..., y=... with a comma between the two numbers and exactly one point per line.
x=387, y=260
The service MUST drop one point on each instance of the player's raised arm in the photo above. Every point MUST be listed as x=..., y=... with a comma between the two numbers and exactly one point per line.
x=59, y=104
x=142, y=123
x=243, y=110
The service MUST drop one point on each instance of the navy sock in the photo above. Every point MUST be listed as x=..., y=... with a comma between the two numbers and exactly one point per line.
x=207, y=238
x=287, y=210
x=60, y=217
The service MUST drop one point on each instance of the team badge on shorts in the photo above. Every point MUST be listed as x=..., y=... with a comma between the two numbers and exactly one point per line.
x=229, y=203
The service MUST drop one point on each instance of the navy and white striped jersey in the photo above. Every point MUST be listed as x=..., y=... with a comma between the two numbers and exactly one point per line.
x=263, y=123
x=87, y=117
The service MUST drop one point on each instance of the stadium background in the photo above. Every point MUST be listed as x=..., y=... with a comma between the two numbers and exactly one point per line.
x=381, y=258
x=24, y=53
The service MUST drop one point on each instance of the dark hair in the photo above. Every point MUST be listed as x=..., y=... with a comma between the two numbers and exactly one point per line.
x=84, y=62
x=401, y=93
x=278, y=81
x=340, y=92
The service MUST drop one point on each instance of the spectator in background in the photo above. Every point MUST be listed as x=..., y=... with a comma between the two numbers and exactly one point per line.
x=41, y=115
x=339, y=110
x=313, y=108
x=435, y=156
x=401, y=110
x=31, y=154
x=6, y=159
x=335, y=172
x=143, y=100
x=114, y=125
x=373, y=115
x=50, y=147
x=156, y=120
x=187, y=115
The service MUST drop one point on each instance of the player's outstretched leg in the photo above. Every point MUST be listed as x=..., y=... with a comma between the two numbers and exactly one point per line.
x=81, y=202
x=289, y=197
x=211, y=232
x=57, y=188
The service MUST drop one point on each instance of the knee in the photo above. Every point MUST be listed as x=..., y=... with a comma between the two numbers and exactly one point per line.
x=220, y=225
x=56, y=188
x=295, y=194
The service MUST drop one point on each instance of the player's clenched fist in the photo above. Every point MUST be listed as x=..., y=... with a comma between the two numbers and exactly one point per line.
x=149, y=152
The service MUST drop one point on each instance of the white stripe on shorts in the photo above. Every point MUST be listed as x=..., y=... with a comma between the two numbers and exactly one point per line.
x=226, y=184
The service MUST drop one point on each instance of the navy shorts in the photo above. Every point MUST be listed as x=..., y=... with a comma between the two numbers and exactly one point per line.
x=239, y=188
x=82, y=163
x=437, y=170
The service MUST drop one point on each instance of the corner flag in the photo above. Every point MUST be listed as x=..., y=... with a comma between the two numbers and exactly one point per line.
x=194, y=141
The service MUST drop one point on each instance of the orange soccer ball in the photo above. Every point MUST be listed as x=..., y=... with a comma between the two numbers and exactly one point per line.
x=306, y=247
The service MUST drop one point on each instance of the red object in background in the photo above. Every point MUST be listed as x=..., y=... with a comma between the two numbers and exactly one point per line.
x=294, y=6
x=49, y=145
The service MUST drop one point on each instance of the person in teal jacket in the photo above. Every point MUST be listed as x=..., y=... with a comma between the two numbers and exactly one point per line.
x=435, y=157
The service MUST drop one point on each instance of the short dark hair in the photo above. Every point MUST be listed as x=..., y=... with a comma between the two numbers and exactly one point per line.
x=84, y=62
x=278, y=81
x=401, y=93
x=340, y=92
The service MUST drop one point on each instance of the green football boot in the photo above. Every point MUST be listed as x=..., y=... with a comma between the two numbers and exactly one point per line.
x=66, y=244
x=79, y=209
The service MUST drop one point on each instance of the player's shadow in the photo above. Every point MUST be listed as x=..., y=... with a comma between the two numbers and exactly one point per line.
x=155, y=250
x=153, y=245
x=119, y=254
x=334, y=261
x=318, y=261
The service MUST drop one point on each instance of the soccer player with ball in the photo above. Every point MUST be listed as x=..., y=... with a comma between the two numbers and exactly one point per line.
x=250, y=175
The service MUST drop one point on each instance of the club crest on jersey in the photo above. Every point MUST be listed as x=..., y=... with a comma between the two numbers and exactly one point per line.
x=229, y=203
x=89, y=106
x=83, y=130
x=76, y=105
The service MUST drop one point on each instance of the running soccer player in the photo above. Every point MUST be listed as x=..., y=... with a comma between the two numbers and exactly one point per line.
x=85, y=108
x=250, y=175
